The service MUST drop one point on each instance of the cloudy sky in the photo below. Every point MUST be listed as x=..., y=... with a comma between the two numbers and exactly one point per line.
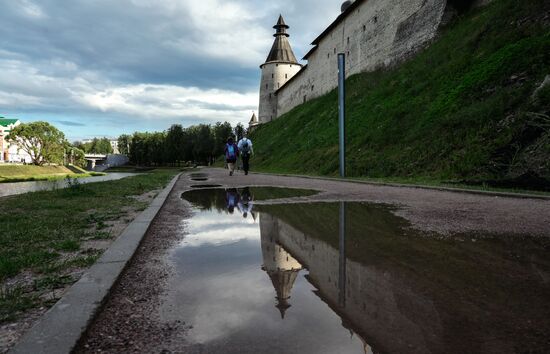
x=106, y=67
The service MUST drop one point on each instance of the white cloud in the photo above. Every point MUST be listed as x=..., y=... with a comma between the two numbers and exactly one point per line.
x=143, y=60
x=23, y=85
x=169, y=101
x=30, y=9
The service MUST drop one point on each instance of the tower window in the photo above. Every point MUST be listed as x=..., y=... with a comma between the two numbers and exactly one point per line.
x=328, y=55
x=272, y=76
x=286, y=76
x=364, y=28
x=266, y=86
x=334, y=50
x=348, y=40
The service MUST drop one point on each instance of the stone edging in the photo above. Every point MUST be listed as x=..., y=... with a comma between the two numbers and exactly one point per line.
x=401, y=185
x=60, y=329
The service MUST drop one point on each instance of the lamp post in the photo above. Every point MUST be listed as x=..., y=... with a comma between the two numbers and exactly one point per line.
x=342, y=111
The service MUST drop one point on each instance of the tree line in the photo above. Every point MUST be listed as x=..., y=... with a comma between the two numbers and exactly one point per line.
x=96, y=146
x=199, y=144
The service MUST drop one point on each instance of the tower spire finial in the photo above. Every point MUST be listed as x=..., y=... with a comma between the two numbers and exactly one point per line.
x=281, y=27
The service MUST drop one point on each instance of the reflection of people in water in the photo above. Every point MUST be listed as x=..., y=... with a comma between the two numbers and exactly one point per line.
x=232, y=199
x=246, y=203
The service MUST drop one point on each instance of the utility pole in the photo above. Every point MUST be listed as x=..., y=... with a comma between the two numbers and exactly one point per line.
x=342, y=111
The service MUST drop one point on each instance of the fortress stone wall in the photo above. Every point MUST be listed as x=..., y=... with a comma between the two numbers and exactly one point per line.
x=372, y=34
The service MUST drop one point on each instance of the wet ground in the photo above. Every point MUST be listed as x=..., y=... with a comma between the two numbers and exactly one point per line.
x=267, y=270
x=26, y=187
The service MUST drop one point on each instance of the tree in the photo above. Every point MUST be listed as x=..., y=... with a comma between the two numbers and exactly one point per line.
x=124, y=144
x=221, y=133
x=42, y=141
x=203, y=144
x=99, y=146
x=76, y=156
x=174, y=144
x=239, y=131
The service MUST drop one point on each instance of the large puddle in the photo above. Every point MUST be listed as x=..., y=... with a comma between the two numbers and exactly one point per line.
x=350, y=278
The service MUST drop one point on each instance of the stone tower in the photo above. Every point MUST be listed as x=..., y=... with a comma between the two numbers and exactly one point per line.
x=281, y=65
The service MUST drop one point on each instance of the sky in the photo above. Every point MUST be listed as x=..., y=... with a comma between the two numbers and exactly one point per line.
x=109, y=67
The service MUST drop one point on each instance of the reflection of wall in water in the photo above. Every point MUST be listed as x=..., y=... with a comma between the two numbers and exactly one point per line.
x=379, y=306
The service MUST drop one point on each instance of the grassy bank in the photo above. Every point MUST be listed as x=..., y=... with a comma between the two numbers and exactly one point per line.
x=464, y=109
x=47, y=238
x=25, y=173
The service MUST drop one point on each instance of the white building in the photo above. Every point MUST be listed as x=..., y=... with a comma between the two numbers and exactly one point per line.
x=10, y=151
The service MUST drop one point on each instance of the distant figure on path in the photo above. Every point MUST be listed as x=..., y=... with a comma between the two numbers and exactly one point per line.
x=245, y=149
x=231, y=154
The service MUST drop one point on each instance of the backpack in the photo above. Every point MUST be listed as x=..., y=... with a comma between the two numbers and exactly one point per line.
x=231, y=153
x=245, y=147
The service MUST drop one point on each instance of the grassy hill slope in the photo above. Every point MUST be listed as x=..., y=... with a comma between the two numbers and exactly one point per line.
x=463, y=109
x=18, y=173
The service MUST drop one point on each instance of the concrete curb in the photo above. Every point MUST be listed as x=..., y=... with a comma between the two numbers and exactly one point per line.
x=60, y=329
x=400, y=185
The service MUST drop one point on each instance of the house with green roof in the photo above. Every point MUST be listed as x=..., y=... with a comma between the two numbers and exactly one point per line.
x=8, y=153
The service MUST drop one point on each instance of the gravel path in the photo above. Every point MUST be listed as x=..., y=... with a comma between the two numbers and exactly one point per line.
x=130, y=324
x=429, y=210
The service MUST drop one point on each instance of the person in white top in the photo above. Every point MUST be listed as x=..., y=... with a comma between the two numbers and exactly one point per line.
x=245, y=150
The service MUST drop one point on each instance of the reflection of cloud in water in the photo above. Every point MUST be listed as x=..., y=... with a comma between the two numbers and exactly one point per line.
x=223, y=291
x=219, y=229
x=226, y=307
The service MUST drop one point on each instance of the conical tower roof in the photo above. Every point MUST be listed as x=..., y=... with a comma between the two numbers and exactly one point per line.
x=253, y=120
x=281, y=51
x=283, y=281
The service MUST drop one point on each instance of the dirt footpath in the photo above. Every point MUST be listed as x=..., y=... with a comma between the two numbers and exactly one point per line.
x=130, y=324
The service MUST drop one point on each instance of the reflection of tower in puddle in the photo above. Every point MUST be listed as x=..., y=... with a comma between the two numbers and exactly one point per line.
x=281, y=267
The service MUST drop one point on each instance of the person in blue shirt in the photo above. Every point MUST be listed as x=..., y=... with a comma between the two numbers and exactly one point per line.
x=231, y=154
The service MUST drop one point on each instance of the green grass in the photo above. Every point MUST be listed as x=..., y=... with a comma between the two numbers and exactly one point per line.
x=29, y=173
x=7, y=170
x=460, y=110
x=13, y=302
x=42, y=232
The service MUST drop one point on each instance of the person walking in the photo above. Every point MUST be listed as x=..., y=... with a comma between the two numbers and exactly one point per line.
x=245, y=149
x=231, y=154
